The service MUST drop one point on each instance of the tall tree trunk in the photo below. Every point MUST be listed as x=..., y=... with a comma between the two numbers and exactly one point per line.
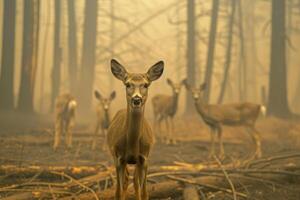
x=190, y=52
x=211, y=48
x=88, y=54
x=25, y=101
x=277, y=100
x=72, y=37
x=228, y=51
x=112, y=38
x=8, y=56
x=56, y=69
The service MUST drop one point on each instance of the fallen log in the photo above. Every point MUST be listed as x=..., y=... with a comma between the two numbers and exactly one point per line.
x=190, y=192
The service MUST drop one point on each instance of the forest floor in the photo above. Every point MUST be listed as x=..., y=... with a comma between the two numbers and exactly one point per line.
x=26, y=156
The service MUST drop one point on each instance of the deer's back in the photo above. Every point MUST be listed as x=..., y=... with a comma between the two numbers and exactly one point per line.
x=61, y=106
x=116, y=136
x=162, y=103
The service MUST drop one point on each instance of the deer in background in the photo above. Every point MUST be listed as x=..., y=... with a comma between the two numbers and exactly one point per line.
x=164, y=108
x=103, y=117
x=129, y=136
x=238, y=114
x=65, y=106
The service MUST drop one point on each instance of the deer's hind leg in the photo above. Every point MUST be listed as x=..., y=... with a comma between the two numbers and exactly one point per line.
x=58, y=132
x=68, y=132
x=221, y=146
x=212, y=142
x=173, y=139
x=256, y=139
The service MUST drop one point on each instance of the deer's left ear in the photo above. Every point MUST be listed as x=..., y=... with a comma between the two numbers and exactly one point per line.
x=203, y=86
x=97, y=95
x=186, y=84
x=113, y=95
x=183, y=81
x=118, y=70
x=155, y=71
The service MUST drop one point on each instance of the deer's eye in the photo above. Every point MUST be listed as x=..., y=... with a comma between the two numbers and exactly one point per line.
x=127, y=85
x=145, y=85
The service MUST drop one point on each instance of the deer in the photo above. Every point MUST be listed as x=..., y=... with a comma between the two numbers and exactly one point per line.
x=65, y=107
x=165, y=108
x=103, y=116
x=129, y=137
x=234, y=114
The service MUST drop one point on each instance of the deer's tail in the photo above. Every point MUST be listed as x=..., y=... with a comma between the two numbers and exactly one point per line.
x=263, y=110
x=72, y=105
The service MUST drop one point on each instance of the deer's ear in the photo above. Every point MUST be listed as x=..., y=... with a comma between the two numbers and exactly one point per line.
x=155, y=71
x=97, y=95
x=203, y=86
x=169, y=81
x=112, y=95
x=118, y=70
x=183, y=81
x=186, y=84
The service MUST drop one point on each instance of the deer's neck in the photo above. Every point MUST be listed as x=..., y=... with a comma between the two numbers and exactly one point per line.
x=174, y=103
x=201, y=107
x=134, y=124
x=106, y=118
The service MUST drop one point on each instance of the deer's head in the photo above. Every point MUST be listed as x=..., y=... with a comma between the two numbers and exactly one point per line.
x=137, y=84
x=176, y=87
x=196, y=92
x=105, y=102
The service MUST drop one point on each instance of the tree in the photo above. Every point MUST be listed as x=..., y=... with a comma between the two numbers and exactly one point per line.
x=228, y=51
x=190, y=52
x=277, y=99
x=88, y=54
x=72, y=37
x=56, y=53
x=28, y=68
x=8, y=56
x=211, y=48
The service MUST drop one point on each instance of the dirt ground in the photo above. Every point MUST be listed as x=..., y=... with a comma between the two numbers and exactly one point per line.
x=33, y=146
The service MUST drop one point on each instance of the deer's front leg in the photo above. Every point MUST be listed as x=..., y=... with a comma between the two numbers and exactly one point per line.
x=256, y=139
x=221, y=146
x=94, y=138
x=212, y=142
x=167, y=130
x=104, y=131
x=58, y=131
x=173, y=139
x=122, y=179
x=140, y=179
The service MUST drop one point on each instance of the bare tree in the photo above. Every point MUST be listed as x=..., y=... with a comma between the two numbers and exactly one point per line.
x=56, y=53
x=277, y=100
x=228, y=51
x=29, y=64
x=72, y=37
x=190, y=51
x=8, y=56
x=88, y=54
x=211, y=48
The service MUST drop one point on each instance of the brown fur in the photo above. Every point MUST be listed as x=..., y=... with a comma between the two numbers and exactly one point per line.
x=64, y=119
x=130, y=138
x=236, y=114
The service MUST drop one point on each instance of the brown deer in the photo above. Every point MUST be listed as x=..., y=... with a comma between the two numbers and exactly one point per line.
x=238, y=114
x=103, y=117
x=164, y=108
x=65, y=106
x=129, y=137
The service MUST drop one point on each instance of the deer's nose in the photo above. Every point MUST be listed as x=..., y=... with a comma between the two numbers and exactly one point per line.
x=137, y=101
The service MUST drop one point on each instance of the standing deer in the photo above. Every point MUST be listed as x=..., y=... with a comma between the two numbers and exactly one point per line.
x=103, y=117
x=65, y=106
x=238, y=114
x=164, y=108
x=130, y=137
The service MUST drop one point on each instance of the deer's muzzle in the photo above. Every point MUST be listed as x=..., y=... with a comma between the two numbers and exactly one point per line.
x=136, y=101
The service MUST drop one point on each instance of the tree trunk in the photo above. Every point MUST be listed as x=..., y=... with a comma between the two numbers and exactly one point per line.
x=25, y=101
x=8, y=56
x=190, y=52
x=72, y=37
x=228, y=51
x=88, y=54
x=56, y=69
x=277, y=100
x=211, y=48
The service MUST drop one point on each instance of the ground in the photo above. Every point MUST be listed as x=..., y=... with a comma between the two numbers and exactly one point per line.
x=33, y=146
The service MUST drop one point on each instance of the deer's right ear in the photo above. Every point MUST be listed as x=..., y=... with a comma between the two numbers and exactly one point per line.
x=112, y=95
x=186, y=84
x=97, y=95
x=118, y=70
x=155, y=71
